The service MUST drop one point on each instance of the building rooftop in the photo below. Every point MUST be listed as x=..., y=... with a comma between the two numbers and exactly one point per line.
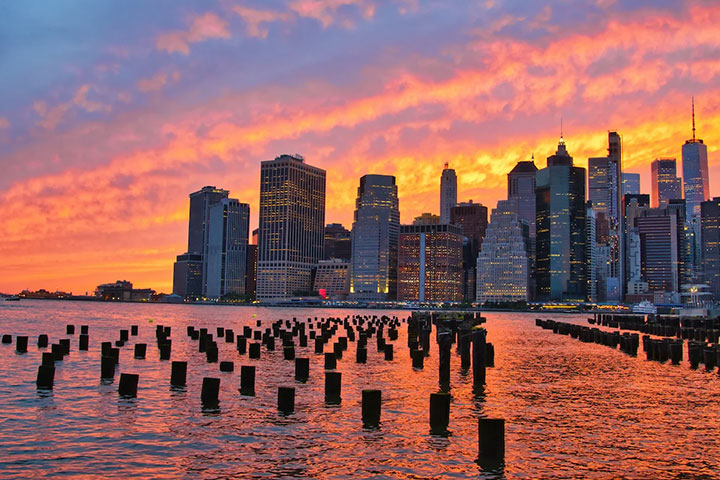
x=524, y=167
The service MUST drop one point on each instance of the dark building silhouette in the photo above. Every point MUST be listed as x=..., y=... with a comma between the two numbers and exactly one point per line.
x=561, y=267
x=337, y=242
x=473, y=219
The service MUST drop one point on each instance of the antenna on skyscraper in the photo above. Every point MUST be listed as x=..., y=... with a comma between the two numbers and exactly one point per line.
x=562, y=140
x=693, y=117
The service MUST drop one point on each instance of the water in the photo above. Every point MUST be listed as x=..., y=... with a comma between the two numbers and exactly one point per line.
x=572, y=410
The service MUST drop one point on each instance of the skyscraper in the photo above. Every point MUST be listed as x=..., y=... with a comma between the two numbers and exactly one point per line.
x=634, y=206
x=695, y=172
x=591, y=254
x=630, y=183
x=291, y=227
x=605, y=191
x=375, y=231
x=659, y=245
x=448, y=193
x=561, y=269
x=228, y=226
x=521, y=188
x=472, y=218
x=503, y=265
x=430, y=263
x=666, y=185
x=710, y=212
x=190, y=270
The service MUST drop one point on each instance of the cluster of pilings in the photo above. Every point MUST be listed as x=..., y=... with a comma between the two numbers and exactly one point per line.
x=338, y=333
x=628, y=342
x=699, y=329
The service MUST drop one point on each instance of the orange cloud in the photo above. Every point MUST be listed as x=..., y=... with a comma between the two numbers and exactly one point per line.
x=50, y=117
x=202, y=27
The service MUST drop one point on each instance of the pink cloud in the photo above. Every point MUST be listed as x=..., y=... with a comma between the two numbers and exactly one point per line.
x=202, y=27
x=256, y=20
x=4, y=123
x=157, y=81
x=50, y=117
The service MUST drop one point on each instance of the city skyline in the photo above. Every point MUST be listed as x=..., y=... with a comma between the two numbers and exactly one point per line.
x=98, y=157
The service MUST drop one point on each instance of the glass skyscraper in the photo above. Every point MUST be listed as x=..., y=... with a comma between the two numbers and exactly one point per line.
x=375, y=232
x=666, y=185
x=561, y=268
x=228, y=228
x=291, y=232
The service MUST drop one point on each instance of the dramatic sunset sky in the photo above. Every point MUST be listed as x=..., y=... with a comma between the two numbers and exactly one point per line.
x=112, y=112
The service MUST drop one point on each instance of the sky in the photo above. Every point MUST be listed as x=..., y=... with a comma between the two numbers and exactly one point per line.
x=111, y=113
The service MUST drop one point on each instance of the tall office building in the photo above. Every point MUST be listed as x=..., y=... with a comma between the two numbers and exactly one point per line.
x=521, y=189
x=710, y=214
x=561, y=269
x=291, y=233
x=695, y=172
x=332, y=278
x=190, y=270
x=430, y=263
x=591, y=254
x=375, y=231
x=630, y=183
x=503, y=264
x=677, y=207
x=448, y=193
x=666, y=185
x=659, y=244
x=633, y=207
x=337, y=242
x=227, y=246
x=473, y=219
x=605, y=192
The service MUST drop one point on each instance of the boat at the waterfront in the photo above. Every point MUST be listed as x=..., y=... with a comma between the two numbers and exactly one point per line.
x=644, y=307
x=13, y=298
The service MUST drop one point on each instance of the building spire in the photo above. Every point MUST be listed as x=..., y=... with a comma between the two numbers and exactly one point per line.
x=562, y=140
x=447, y=165
x=693, y=118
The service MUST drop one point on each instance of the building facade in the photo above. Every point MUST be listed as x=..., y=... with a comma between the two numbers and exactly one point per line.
x=473, y=219
x=375, y=232
x=430, y=263
x=710, y=213
x=332, y=279
x=561, y=267
x=659, y=245
x=448, y=193
x=337, y=242
x=666, y=185
x=630, y=183
x=227, y=246
x=503, y=264
x=291, y=231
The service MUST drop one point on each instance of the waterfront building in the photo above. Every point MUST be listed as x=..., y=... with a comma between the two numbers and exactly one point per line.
x=448, y=193
x=337, y=242
x=666, y=185
x=658, y=232
x=291, y=232
x=503, y=264
x=591, y=256
x=332, y=278
x=187, y=276
x=561, y=267
x=710, y=214
x=473, y=219
x=226, y=251
x=190, y=268
x=630, y=183
x=678, y=207
x=430, y=263
x=251, y=271
x=375, y=231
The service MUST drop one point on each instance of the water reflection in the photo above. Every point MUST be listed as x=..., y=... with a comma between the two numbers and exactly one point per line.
x=573, y=409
